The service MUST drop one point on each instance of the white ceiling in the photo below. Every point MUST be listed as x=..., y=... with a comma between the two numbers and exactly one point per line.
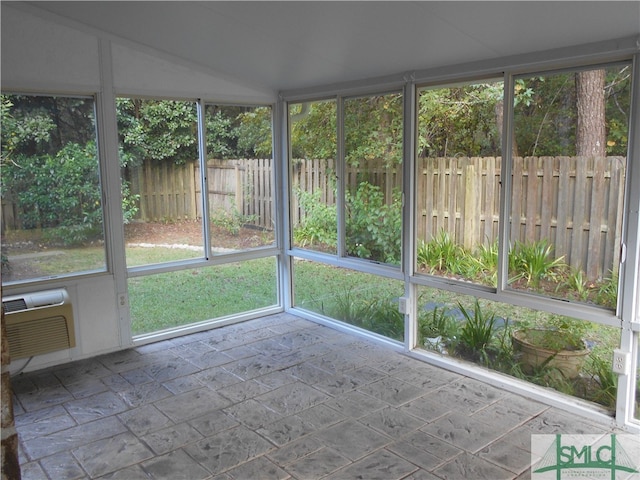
x=287, y=45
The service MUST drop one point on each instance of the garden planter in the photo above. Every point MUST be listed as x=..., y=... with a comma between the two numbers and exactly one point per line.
x=532, y=356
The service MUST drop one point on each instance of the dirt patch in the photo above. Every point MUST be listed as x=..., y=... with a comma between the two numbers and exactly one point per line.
x=190, y=233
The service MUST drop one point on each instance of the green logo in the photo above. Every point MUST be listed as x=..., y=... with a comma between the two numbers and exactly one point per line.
x=585, y=456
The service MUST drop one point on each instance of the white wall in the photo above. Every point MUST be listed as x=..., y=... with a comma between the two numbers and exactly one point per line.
x=42, y=53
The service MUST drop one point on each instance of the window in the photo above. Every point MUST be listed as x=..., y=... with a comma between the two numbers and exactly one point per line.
x=373, y=177
x=364, y=300
x=312, y=170
x=52, y=217
x=174, y=299
x=570, y=355
x=458, y=166
x=240, y=177
x=568, y=170
x=162, y=207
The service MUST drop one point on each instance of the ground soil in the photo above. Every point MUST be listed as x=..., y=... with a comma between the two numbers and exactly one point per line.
x=190, y=233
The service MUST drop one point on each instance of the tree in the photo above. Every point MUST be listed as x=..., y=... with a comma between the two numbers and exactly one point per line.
x=590, y=107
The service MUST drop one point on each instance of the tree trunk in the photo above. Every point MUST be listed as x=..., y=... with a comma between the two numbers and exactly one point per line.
x=590, y=130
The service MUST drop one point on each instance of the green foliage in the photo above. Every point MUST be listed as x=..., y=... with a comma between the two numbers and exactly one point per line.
x=348, y=307
x=129, y=202
x=231, y=220
x=373, y=227
x=477, y=334
x=313, y=129
x=158, y=129
x=437, y=329
x=21, y=130
x=459, y=121
x=607, y=382
x=546, y=113
x=607, y=295
x=59, y=191
x=535, y=262
x=383, y=318
x=166, y=130
x=253, y=131
x=441, y=254
x=319, y=222
x=373, y=128
x=373, y=312
x=578, y=284
x=486, y=262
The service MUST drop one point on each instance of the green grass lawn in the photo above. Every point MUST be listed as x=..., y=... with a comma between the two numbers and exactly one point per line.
x=173, y=299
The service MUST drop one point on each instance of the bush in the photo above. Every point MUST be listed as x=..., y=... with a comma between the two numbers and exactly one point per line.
x=61, y=194
x=231, y=220
x=319, y=221
x=374, y=227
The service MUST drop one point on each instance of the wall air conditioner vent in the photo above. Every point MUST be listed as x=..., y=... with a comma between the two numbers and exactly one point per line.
x=39, y=322
x=14, y=305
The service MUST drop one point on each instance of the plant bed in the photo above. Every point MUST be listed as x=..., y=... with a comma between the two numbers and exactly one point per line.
x=538, y=348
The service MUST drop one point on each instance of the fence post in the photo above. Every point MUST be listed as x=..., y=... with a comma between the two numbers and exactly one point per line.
x=471, y=207
x=238, y=196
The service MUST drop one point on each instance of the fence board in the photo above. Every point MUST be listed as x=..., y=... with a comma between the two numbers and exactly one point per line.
x=563, y=221
x=549, y=196
x=594, y=262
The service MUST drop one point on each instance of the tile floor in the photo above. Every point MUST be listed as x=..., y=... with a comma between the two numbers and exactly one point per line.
x=274, y=398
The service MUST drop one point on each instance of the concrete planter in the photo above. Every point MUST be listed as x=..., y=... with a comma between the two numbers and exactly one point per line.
x=567, y=362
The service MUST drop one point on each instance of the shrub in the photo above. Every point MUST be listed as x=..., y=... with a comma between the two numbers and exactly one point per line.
x=374, y=227
x=318, y=224
x=231, y=220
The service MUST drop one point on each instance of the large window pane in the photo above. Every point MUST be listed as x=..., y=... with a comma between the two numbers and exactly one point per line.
x=52, y=219
x=174, y=299
x=364, y=300
x=160, y=185
x=373, y=177
x=458, y=167
x=240, y=177
x=569, y=157
x=569, y=355
x=312, y=169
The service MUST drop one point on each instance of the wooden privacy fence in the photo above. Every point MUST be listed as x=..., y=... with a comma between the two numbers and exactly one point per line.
x=242, y=186
x=167, y=192
x=173, y=192
x=575, y=203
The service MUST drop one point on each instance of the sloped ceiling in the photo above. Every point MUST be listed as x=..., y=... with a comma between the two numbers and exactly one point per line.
x=287, y=45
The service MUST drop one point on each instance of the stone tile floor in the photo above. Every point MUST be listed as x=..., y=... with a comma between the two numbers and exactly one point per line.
x=274, y=398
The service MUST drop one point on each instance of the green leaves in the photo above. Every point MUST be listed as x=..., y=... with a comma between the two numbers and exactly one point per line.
x=373, y=226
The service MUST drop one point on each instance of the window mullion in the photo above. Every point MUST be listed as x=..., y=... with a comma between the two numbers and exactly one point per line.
x=202, y=160
x=505, y=184
x=341, y=177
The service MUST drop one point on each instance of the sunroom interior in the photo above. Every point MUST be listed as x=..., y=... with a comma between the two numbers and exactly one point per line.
x=413, y=173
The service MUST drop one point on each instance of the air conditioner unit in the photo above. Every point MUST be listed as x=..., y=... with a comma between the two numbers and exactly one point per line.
x=39, y=322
